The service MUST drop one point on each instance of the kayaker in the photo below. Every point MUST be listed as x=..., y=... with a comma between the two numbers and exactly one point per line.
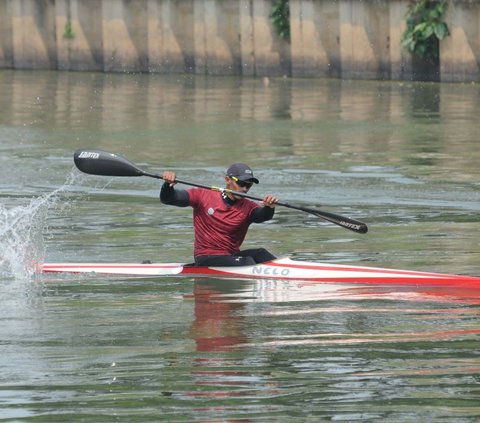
x=221, y=219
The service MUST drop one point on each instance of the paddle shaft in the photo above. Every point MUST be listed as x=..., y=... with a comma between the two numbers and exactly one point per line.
x=345, y=222
x=99, y=162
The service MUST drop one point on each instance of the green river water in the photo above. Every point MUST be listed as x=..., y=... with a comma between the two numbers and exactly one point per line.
x=403, y=157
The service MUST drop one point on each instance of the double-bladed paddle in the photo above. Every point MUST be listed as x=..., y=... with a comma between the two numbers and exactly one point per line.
x=99, y=162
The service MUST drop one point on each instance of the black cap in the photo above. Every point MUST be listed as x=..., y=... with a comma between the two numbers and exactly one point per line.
x=242, y=172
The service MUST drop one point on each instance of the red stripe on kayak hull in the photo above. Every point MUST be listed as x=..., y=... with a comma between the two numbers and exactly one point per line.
x=280, y=269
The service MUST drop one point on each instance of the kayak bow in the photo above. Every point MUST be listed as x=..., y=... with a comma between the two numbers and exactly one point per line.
x=278, y=269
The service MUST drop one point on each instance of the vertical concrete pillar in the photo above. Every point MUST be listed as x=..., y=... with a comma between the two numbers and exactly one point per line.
x=460, y=52
x=33, y=34
x=125, y=35
x=217, y=29
x=185, y=31
x=79, y=34
x=155, y=42
x=170, y=36
x=247, y=45
x=200, y=31
x=272, y=55
x=6, y=47
x=223, y=44
x=315, y=38
x=365, y=39
x=157, y=28
x=400, y=57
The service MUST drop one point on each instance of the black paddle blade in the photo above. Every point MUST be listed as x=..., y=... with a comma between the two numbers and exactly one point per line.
x=99, y=162
x=345, y=222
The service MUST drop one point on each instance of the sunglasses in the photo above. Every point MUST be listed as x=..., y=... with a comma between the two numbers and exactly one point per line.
x=241, y=184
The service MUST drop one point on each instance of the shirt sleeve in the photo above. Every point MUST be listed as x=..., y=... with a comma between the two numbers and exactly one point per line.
x=262, y=214
x=169, y=195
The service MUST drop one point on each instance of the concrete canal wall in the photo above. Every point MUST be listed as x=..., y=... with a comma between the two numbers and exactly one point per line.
x=339, y=38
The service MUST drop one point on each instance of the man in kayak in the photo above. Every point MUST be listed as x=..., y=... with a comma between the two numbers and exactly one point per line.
x=221, y=219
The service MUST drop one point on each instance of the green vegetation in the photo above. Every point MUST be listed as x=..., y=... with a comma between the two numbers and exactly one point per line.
x=425, y=28
x=68, y=32
x=280, y=18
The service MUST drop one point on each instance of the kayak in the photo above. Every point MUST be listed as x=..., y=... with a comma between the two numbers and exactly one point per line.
x=278, y=269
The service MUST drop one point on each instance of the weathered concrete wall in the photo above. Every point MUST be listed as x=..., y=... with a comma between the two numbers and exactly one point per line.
x=340, y=38
x=33, y=34
x=460, y=52
x=125, y=35
x=171, y=36
x=216, y=46
x=400, y=58
x=83, y=50
x=6, y=46
x=364, y=35
x=315, y=38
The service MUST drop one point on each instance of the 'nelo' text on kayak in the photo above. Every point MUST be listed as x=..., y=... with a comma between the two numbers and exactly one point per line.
x=269, y=271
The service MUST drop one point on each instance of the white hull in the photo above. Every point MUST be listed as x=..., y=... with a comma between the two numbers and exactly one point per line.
x=279, y=269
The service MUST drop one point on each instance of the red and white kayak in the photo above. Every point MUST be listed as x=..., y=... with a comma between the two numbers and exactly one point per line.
x=279, y=269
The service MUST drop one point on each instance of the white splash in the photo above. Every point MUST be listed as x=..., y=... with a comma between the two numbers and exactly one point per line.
x=22, y=246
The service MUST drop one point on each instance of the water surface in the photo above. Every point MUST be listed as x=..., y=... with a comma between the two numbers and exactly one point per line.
x=402, y=157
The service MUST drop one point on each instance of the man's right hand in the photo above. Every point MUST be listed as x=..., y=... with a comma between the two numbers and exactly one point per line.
x=169, y=177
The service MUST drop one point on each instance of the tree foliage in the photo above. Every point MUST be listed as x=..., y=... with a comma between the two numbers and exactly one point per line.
x=425, y=27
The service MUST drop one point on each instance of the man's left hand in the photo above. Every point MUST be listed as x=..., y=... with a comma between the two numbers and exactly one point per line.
x=270, y=201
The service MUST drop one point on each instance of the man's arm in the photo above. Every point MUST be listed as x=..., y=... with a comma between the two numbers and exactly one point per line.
x=262, y=214
x=169, y=195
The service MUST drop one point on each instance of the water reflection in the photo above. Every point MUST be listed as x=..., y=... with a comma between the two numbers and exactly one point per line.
x=326, y=124
x=348, y=344
x=425, y=102
x=221, y=312
x=218, y=324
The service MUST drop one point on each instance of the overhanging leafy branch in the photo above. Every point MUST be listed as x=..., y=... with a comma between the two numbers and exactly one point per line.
x=425, y=28
x=280, y=18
